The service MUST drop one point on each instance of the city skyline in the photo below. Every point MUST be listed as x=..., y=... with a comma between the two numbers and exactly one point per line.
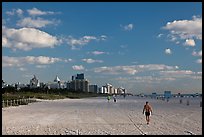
x=143, y=47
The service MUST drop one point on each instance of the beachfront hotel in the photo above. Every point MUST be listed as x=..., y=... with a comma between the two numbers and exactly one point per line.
x=78, y=83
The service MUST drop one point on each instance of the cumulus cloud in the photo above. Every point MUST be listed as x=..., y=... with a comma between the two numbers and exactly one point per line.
x=36, y=23
x=74, y=43
x=37, y=12
x=168, y=51
x=186, y=29
x=27, y=39
x=128, y=27
x=92, y=60
x=190, y=42
x=81, y=41
x=20, y=61
x=18, y=12
x=77, y=67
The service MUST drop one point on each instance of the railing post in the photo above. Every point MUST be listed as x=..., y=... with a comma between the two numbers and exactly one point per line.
x=11, y=103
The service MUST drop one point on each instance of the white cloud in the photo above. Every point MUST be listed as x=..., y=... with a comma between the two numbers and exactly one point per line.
x=27, y=39
x=178, y=72
x=168, y=51
x=11, y=12
x=73, y=42
x=81, y=41
x=4, y=41
x=200, y=53
x=200, y=73
x=36, y=23
x=190, y=42
x=37, y=12
x=68, y=60
x=103, y=37
x=186, y=29
x=92, y=60
x=98, y=52
x=159, y=35
x=133, y=69
x=194, y=53
x=161, y=76
x=127, y=27
x=77, y=67
x=19, y=12
x=20, y=61
x=144, y=79
x=199, y=61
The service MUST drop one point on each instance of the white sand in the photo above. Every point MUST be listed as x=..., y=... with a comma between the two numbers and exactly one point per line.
x=96, y=116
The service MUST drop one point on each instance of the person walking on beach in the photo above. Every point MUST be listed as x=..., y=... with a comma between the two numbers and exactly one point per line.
x=108, y=98
x=147, y=109
x=114, y=98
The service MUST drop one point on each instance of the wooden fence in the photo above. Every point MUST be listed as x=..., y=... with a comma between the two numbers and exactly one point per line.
x=17, y=102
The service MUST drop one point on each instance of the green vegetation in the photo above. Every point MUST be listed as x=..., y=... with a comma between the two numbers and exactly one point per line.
x=10, y=93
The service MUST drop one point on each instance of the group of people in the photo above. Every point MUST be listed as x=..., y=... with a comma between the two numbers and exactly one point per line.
x=114, y=98
x=147, y=110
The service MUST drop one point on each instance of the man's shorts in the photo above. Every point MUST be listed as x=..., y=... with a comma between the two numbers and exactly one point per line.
x=147, y=113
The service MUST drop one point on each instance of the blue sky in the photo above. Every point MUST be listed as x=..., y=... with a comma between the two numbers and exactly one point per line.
x=143, y=47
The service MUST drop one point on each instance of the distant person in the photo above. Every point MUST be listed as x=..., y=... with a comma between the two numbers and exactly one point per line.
x=114, y=98
x=147, y=109
x=108, y=98
x=124, y=95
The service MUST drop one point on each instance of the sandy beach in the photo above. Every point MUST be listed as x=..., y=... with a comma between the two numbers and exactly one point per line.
x=96, y=116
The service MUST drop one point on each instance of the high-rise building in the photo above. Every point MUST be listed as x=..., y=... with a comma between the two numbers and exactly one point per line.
x=93, y=88
x=78, y=76
x=78, y=83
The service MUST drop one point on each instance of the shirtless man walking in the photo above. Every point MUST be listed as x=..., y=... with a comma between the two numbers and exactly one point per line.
x=147, y=108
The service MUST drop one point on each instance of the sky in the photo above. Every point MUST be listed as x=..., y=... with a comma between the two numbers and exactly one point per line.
x=143, y=47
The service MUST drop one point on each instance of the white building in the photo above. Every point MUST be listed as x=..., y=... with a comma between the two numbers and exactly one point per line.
x=57, y=84
x=34, y=82
x=109, y=88
x=103, y=89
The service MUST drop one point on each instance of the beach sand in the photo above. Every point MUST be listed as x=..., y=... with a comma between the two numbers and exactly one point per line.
x=97, y=116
